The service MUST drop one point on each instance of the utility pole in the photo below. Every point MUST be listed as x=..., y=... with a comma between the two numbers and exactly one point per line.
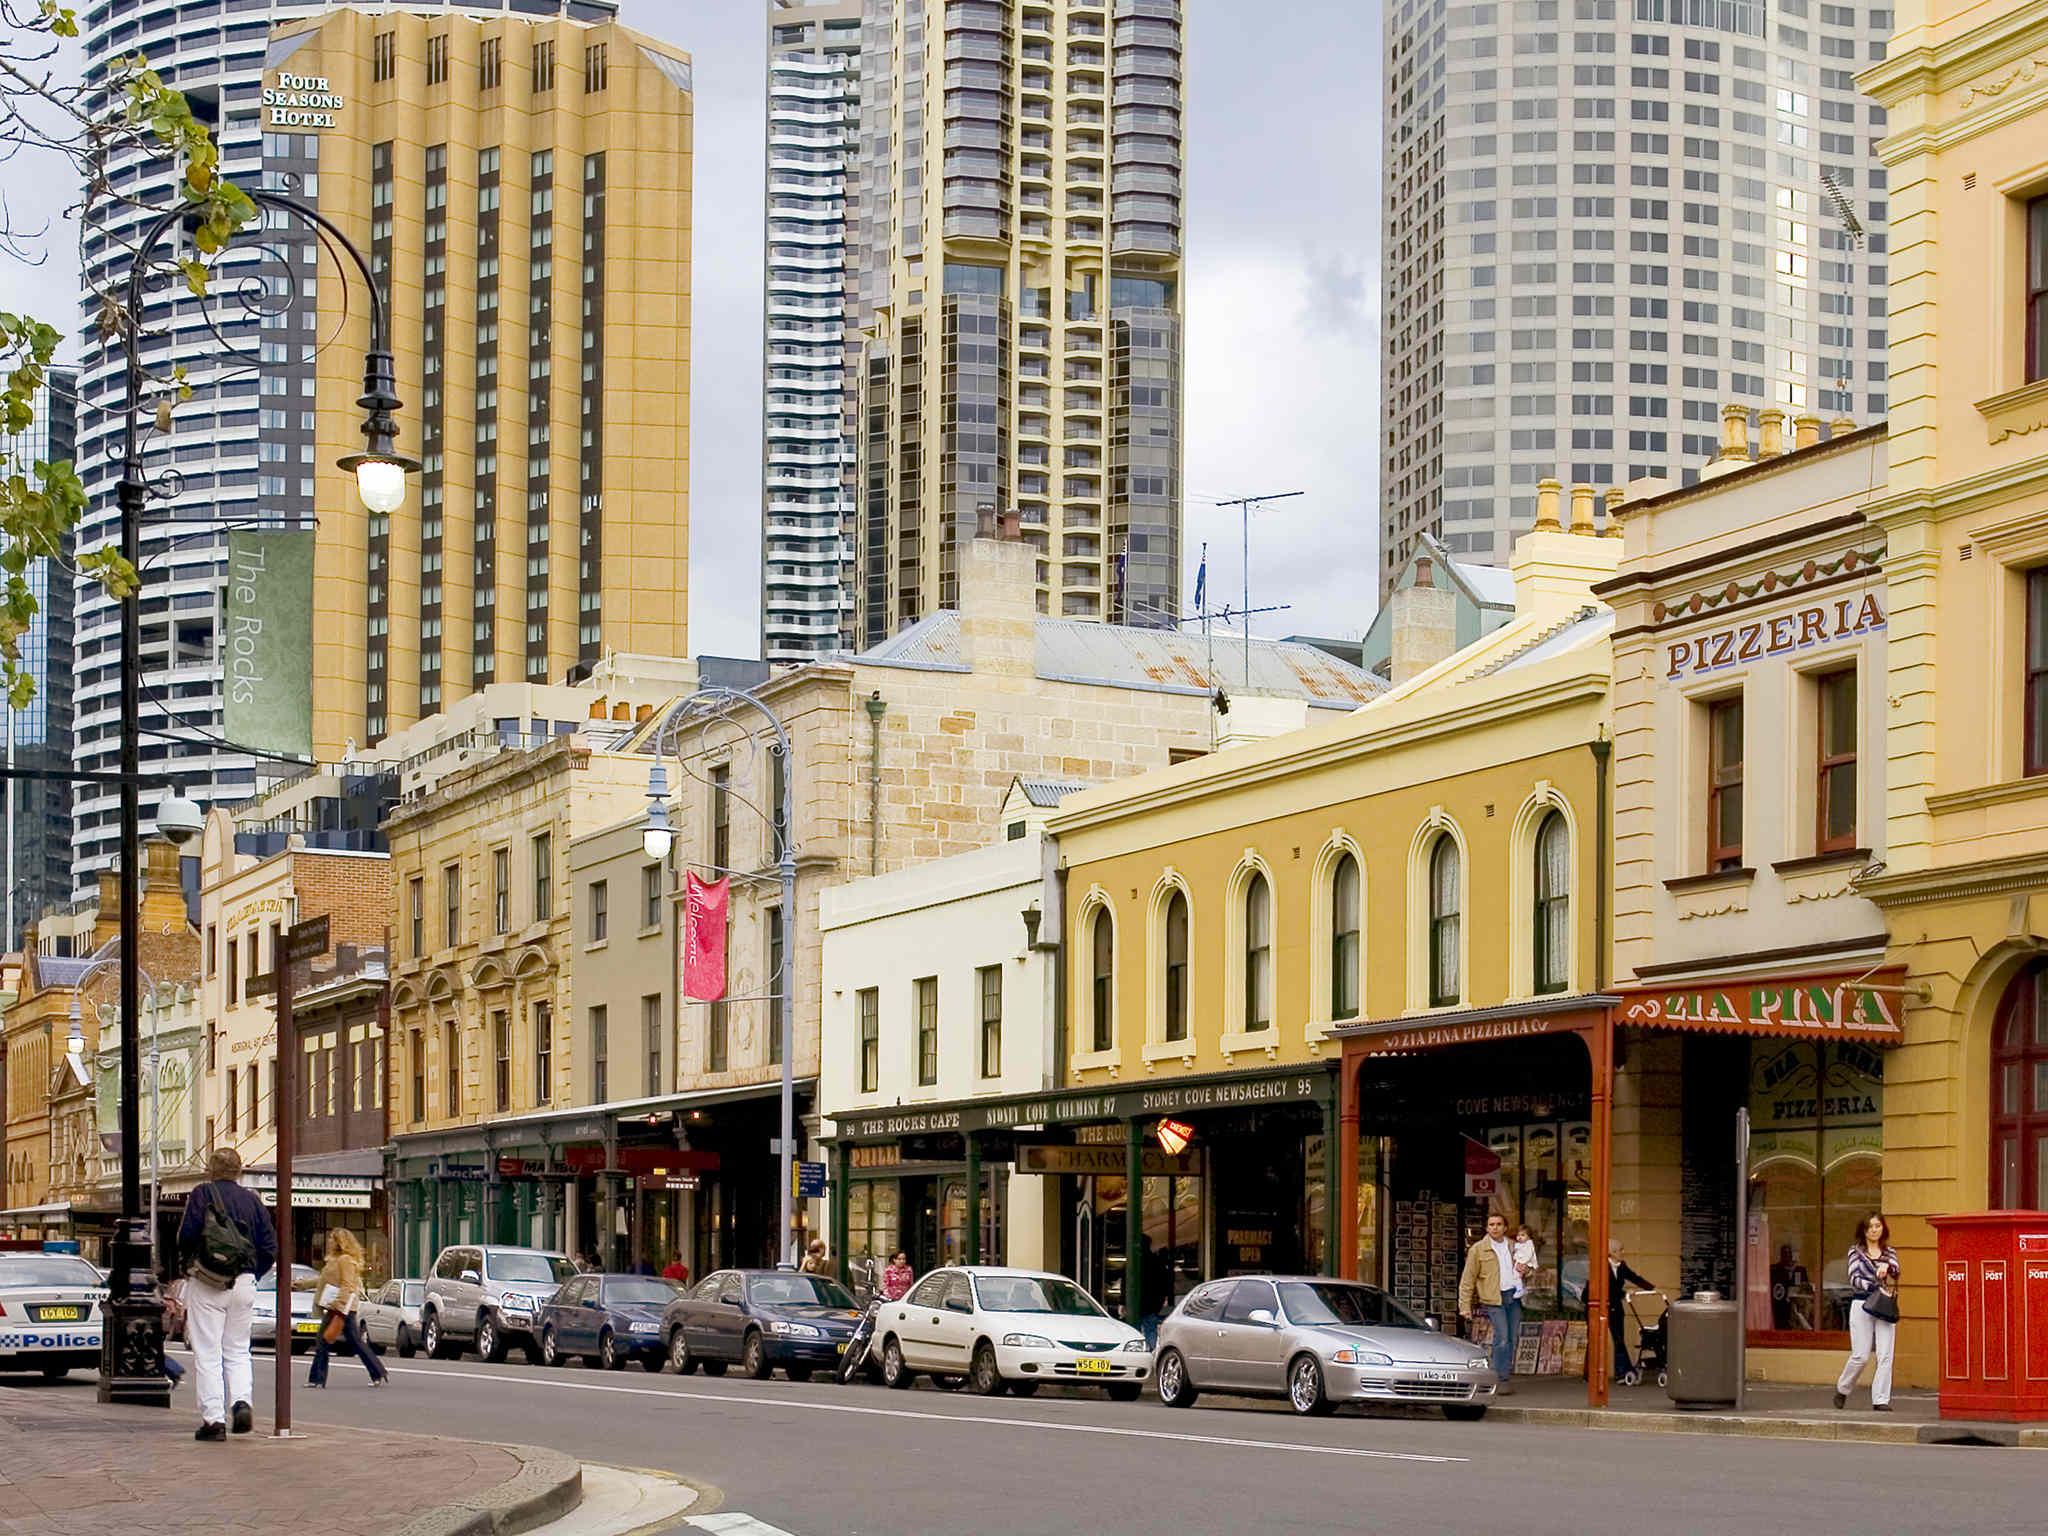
x=1246, y=505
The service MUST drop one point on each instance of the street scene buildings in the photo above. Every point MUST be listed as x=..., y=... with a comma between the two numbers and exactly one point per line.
x=1657, y=868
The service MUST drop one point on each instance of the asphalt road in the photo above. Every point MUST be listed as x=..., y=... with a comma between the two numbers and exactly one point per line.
x=822, y=1460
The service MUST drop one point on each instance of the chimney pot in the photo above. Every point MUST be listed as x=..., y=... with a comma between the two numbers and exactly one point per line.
x=1547, y=493
x=1770, y=432
x=1841, y=426
x=1734, y=433
x=1582, y=510
x=1615, y=497
x=1805, y=430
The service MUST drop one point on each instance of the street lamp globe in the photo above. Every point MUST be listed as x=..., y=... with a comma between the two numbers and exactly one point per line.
x=657, y=837
x=380, y=483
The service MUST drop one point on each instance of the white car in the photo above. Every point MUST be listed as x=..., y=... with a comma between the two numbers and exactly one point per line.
x=263, y=1316
x=1008, y=1330
x=389, y=1317
x=50, y=1313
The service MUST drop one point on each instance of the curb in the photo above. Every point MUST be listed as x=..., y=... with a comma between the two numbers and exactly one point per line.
x=547, y=1486
x=1847, y=1431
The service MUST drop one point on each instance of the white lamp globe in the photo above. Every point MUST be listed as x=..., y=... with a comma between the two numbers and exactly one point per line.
x=381, y=484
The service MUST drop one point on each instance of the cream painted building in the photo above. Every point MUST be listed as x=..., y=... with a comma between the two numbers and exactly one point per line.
x=1749, y=793
x=939, y=991
x=1965, y=520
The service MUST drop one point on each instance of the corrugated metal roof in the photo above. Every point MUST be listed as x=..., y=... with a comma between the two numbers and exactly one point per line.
x=932, y=644
x=1588, y=623
x=1048, y=792
x=61, y=970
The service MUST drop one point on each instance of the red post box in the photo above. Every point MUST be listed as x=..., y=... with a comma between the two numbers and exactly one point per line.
x=1993, y=1288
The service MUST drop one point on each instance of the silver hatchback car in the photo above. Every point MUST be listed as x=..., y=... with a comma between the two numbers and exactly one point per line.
x=1317, y=1342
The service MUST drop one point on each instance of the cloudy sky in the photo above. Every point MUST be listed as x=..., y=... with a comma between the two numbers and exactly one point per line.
x=1281, y=296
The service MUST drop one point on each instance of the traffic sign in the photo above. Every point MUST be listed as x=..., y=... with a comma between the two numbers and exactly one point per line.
x=307, y=939
x=810, y=1181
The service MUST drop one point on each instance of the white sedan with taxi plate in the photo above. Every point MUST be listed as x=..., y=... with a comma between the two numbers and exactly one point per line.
x=50, y=1313
x=1008, y=1330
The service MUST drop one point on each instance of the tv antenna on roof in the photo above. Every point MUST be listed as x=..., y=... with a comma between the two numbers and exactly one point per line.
x=1844, y=209
x=1246, y=505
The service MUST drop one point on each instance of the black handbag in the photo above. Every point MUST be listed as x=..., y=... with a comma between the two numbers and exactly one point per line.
x=1882, y=1305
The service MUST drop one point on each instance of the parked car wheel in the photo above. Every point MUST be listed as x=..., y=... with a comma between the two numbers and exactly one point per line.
x=797, y=1372
x=651, y=1363
x=406, y=1347
x=609, y=1356
x=714, y=1367
x=1465, y=1413
x=439, y=1346
x=679, y=1354
x=1024, y=1388
x=550, y=1351
x=490, y=1339
x=896, y=1376
x=754, y=1356
x=986, y=1377
x=1123, y=1391
x=1305, y=1387
x=1175, y=1390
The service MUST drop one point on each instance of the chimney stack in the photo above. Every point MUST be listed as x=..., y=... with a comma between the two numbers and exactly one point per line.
x=1734, y=434
x=1615, y=497
x=1841, y=426
x=1547, y=494
x=1582, y=511
x=1805, y=430
x=1770, y=432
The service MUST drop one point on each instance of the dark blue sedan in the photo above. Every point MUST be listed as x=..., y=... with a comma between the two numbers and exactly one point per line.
x=608, y=1320
x=760, y=1319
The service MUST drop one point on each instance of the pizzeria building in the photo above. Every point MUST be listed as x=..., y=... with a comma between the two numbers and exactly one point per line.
x=1751, y=977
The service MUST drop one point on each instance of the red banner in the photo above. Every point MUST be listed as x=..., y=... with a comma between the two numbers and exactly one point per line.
x=704, y=912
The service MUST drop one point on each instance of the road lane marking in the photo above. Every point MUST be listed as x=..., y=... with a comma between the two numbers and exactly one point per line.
x=732, y=1523
x=1116, y=1431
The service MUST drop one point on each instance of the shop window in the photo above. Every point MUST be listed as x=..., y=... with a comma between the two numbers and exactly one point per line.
x=1102, y=982
x=871, y=1206
x=1815, y=1171
x=1724, y=784
x=1344, y=924
x=1446, y=915
x=870, y=1005
x=927, y=1030
x=1835, y=762
x=2037, y=290
x=1258, y=954
x=1176, y=978
x=2036, y=696
x=2019, y=1095
x=1553, y=904
x=991, y=988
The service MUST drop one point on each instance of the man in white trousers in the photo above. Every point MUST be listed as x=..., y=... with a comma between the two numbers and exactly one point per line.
x=223, y=1260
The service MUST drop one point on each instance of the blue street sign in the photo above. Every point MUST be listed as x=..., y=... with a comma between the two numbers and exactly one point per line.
x=810, y=1181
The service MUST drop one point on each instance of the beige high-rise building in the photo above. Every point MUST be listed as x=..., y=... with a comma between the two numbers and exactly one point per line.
x=1018, y=246
x=522, y=188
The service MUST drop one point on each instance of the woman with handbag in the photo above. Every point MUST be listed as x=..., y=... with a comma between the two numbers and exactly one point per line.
x=1873, y=1311
x=341, y=1286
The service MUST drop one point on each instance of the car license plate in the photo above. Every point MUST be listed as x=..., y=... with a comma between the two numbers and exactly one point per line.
x=308, y=1326
x=1092, y=1365
x=841, y=1346
x=60, y=1314
x=1438, y=1375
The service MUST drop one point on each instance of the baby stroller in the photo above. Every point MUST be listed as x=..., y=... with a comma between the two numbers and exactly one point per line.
x=1653, y=1344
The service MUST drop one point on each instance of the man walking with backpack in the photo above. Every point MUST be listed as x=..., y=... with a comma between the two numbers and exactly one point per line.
x=227, y=1241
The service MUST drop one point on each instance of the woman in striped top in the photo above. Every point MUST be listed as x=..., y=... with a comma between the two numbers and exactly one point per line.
x=1873, y=1272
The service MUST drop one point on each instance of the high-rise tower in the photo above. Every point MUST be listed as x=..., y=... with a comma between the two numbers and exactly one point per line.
x=807, y=567
x=1019, y=254
x=1604, y=219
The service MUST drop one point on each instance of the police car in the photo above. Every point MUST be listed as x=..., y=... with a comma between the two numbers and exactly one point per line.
x=50, y=1309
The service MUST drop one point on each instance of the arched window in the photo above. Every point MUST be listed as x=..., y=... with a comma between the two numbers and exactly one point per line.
x=1344, y=939
x=1102, y=970
x=1553, y=904
x=1445, y=911
x=2019, y=1095
x=1258, y=954
x=1177, y=966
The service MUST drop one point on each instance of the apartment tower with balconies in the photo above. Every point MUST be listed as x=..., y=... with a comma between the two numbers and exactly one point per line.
x=1018, y=238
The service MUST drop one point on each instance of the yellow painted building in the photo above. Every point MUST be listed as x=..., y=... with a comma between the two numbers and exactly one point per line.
x=1964, y=890
x=1425, y=872
x=522, y=188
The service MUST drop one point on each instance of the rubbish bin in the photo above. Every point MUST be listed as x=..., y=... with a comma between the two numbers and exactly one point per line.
x=1702, y=1342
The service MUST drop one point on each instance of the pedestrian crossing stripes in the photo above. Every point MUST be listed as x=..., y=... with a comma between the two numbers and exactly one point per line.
x=731, y=1522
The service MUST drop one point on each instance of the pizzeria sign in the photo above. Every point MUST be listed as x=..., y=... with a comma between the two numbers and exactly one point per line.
x=1861, y=1007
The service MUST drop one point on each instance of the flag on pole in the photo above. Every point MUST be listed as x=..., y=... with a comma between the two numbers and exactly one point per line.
x=1202, y=582
x=704, y=912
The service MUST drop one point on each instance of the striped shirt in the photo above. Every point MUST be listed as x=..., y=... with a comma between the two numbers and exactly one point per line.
x=1863, y=1269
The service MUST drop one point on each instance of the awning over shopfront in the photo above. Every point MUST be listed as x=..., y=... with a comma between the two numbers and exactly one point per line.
x=1865, y=1006
x=1577, y=1013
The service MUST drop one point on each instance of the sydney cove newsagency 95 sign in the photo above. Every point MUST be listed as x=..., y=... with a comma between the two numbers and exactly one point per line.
x=300, y=101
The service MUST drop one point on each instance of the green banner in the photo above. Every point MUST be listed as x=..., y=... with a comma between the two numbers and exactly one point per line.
x=270, y=642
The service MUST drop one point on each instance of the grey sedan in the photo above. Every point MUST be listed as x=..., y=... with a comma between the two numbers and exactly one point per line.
x=389, y=1316
x=1316, y=1342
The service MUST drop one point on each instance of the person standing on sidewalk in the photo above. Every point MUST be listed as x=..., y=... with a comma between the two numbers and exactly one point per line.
x=1873, y=1312
x=814, y=1261
x=1491, y=1282
x=341, y=1286
x=1619, y=1278
x=227, y=1241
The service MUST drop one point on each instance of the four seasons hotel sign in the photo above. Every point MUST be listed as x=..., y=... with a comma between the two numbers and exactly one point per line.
x=300, y=101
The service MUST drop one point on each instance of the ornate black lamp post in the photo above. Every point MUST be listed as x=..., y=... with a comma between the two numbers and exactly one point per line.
x=132, y=1347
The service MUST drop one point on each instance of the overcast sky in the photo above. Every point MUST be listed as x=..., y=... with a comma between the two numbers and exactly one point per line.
x=1281, y=295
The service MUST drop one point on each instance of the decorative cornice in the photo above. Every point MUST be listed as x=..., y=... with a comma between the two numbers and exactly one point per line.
x=1988, y=795
x=1981, y=89
x=1813, y=572
x=1957, y=882
x=2017, y=412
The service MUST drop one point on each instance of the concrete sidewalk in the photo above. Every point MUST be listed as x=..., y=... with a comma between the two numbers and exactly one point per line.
x=1770, y=1409
x=70, y=1465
